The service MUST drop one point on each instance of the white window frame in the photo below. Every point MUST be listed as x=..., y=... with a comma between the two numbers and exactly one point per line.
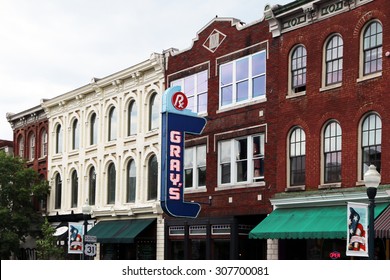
x=235, y=82
x=196, y=93
x=191, y=155
x=250, y=178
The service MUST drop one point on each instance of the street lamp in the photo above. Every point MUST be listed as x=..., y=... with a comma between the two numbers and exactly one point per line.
x=86, y=209
x=372, y=178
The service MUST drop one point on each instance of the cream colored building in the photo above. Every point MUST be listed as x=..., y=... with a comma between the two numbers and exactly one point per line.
x=104, y=148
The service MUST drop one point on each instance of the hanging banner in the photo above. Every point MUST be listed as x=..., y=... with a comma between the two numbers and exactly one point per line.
x=176, y=122
x=75, y=238
x=357, y=235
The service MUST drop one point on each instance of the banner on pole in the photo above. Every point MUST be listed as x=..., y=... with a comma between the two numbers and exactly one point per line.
x=75, y=238
x=357, y=225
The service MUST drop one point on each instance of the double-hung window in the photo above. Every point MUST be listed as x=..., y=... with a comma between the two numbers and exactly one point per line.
x=241, y=160
x=195, y=167
x=195, y=88
x=242, y=80
x=372, y=48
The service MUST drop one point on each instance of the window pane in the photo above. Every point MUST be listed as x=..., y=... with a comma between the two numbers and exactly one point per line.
x=227, y=95
x=258, y=64
x=188, y=178
x=242, y=68
x=202, y=81
x=112, y=125
x=258, y=86
x=92, y=186
x=131, y=181
x=93, y=130
x=111, y=184
x=226, y=74
x=132, y=129
x=202, y=103
x=242, y=91
x=152, y=178
x=189, y=86
x=201, y=176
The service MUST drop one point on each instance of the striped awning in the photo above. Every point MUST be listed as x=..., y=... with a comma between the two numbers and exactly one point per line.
x=382, y=224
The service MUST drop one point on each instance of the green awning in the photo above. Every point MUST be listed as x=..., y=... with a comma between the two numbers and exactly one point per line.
x=306, y=223
x=121, y=231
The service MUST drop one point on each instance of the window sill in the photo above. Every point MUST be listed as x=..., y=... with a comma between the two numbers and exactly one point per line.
x=295, y=188
x=330, y=87
x=241, y=105
x=195, y=190
x=293, y=95
x=241, y=186
x=329, y=186
x=369, y=77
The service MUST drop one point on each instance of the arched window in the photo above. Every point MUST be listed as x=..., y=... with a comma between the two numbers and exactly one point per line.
x=152, y=178
x=297, y=157
x=298, y=69
x=32, y=146
x=92, y=186
x=112, y=124
x=372, y=48
x=132, y=119
x=371, y=142
x=75, y=135
x=131, y=181
x=75, y=189
x=58, y=139
x=93, y=130
x=43, y=143
x=154, y=112
x=332, y=152
x=334, y=60
x=21, y=146
x=111, y=183
x=58, y=192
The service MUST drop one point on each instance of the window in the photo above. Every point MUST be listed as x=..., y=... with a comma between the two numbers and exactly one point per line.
x=371, y=142
x=152, y=178
x=195, y=167
x=332, y=152
x=132, y=119
x=43, y=143
x=75, y=189
x=372, y=48
x=111, y=184
x=241, y=160
x=93, y=130
x=21, y=146
x=334, y=60
x=58, y=139
x=243, y=80
x=92, y=186
x=32, y=146
x=195, y=88
x=298, y=69
x=112, y=124
x=297, y=157
x=154, y=112
x=131, y=181
x=58, y=192
x=75, y=135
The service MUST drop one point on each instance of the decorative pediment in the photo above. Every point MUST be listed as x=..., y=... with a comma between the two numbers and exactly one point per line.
x=214, y=40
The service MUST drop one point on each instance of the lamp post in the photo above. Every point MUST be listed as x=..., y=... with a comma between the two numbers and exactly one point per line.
x=86, y=210
x=372, y=178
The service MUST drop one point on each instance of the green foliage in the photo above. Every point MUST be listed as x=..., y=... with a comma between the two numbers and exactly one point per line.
x=18, y=218
x=46, y=246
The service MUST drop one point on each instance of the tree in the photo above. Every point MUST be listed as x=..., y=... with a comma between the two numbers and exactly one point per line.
x=18, y=218
x=46, y=247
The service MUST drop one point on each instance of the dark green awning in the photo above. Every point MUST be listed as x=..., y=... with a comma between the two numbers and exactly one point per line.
x=306, y=223
x=121, y=231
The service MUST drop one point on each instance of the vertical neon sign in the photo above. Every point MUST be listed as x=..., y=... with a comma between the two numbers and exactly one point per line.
x=176, y=122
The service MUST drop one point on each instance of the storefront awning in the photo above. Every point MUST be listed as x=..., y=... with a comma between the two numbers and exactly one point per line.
x=382, y=224
x=122, y=231
x=306, y=223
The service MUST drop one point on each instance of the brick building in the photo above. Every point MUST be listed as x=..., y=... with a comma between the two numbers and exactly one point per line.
x=331, y=59
x=224, y=75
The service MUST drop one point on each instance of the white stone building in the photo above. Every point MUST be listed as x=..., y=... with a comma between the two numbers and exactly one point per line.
x=104, y=148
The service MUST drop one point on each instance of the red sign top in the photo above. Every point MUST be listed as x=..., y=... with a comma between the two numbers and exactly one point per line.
x=179, y=101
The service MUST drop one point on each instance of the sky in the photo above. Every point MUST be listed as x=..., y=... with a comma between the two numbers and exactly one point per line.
x=50, y=47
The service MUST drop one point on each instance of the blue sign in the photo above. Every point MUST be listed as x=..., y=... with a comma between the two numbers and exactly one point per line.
x=176, y=122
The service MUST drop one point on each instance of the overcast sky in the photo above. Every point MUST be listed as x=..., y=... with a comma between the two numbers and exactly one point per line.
x=50, y=47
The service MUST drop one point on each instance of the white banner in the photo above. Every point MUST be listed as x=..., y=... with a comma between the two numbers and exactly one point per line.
x=75, y=237
x=357, y=229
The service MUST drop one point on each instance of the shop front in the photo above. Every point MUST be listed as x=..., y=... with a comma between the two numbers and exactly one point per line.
x=213, y=238
x=315, y=227
x=130, y=239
